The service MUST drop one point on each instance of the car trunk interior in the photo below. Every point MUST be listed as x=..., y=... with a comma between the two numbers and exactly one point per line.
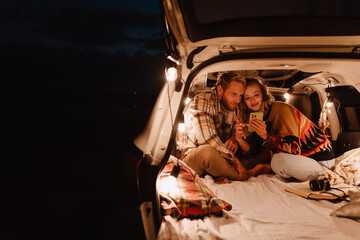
x=306, y=98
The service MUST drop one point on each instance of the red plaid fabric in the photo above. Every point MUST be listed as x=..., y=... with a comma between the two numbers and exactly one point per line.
x=187, y=195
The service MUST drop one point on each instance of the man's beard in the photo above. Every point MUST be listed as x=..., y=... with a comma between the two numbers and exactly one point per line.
x=225, y=104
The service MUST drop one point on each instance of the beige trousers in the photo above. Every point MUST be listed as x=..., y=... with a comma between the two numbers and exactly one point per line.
x=206, y=159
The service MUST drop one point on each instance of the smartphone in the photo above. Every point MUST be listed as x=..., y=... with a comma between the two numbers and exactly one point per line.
x=255, y=115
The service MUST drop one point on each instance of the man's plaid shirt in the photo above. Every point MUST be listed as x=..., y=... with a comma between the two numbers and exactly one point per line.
x=206, y=123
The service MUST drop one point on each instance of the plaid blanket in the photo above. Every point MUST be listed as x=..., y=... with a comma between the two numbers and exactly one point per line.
x=187, y=195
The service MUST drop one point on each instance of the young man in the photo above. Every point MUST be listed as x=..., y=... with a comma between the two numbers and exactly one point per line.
x=208, y=144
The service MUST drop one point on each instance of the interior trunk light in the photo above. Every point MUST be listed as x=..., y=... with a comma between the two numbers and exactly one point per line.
x=288, y=93
x=171, y=74
x=330, y=101
x=169, y=184
x=181, y=127
x=286, y=96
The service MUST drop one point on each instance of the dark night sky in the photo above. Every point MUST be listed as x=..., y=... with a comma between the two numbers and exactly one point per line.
x=108, y=25
x=79, y=79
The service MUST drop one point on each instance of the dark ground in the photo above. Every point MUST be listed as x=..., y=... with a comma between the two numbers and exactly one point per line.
x=68, y=118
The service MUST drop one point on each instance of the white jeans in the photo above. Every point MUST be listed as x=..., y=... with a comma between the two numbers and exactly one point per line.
x=302, y=168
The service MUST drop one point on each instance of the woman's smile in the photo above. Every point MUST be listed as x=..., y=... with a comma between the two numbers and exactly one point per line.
x=254, y=105
x=253, y=97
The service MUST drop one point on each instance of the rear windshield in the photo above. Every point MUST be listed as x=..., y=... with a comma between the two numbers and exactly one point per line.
x=353, y=118
x=210, y=18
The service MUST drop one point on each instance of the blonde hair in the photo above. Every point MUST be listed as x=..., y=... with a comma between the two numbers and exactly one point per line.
x=224, y=79
x=268, y=100
x=323, y=121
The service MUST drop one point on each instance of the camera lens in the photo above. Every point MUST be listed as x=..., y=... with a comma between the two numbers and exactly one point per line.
x=314, y=185
x=318, y=185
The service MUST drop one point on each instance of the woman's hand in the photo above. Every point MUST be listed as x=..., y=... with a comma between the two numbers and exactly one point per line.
x=260, y=128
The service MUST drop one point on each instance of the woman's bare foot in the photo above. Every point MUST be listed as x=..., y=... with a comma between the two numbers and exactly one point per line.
x=221, y=180
x=243, y=174
x=259, y=169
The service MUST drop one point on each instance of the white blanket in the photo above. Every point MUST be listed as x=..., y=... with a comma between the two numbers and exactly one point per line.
x=347, y=169
x=263, y=210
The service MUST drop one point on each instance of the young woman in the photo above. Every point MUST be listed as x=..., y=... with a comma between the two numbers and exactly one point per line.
x=299, y=148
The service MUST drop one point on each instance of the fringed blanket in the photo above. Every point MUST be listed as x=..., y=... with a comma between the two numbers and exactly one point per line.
x=347, y=168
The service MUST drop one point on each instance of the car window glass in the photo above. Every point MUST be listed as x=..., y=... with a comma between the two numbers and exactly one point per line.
x=353, y=117
x=347, y=106
x=215, y=11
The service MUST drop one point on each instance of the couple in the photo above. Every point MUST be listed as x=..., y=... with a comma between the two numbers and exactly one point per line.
x=216, y=139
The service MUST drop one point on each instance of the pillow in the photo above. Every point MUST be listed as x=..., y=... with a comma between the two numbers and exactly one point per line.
x=354, y=196
x=187, y=195
x=351, y=209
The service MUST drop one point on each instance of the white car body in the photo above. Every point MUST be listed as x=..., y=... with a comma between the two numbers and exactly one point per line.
x=328, y=60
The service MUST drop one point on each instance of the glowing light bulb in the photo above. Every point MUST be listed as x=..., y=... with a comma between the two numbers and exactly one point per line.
x=171, y=74
x=329, y=101
x=168, y=183
x=289, y=92
x=286, y=95
x=181, y=127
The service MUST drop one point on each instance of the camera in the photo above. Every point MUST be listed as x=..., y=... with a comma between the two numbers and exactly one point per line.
x=320, y=184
